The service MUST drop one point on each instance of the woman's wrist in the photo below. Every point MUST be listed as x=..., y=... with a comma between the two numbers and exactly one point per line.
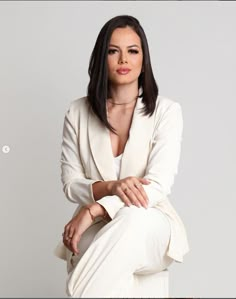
x=101, y=189
x=96, y=210
x=92, y=216
x=110, y=185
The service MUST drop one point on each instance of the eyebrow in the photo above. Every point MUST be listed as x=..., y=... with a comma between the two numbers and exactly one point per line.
x=127, y=47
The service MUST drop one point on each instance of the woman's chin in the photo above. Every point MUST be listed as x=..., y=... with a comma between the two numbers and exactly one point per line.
x=123, y=81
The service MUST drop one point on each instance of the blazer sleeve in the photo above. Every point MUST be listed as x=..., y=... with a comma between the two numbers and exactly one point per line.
x=162, y=163
x=76, y=186
x=164, y=158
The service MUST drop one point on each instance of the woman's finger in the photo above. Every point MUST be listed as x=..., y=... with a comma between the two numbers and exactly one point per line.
x=67, y=231
x=68, y=235
x=131, y=196
x=144, y=181
x=74, y=243
x=144, y=195
x=123, y=196
x=141, y=190
x=141, y=199
x=66, y=243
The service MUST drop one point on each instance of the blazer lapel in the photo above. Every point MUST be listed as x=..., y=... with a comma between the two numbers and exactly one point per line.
x=135, y=155
x=100, y=145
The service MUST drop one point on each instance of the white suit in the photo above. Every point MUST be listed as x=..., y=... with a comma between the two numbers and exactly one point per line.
x=152, y=151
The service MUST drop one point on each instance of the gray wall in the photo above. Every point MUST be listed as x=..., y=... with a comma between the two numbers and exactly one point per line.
x=44, y=55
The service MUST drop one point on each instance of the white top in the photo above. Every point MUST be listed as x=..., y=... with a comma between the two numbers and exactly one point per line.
x=117, y=161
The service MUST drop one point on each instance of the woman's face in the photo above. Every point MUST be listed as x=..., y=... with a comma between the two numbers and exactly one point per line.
x=125, y=57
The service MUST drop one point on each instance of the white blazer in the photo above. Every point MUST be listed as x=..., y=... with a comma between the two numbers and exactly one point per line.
x=152, y=151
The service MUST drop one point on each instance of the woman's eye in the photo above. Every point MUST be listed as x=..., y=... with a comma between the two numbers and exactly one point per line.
x=133, y=51
x=111, y=51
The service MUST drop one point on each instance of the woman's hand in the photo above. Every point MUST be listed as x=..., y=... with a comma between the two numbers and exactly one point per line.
x=78, y=225
x=131, y=191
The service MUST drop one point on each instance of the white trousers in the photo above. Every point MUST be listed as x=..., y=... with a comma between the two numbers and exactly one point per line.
x=134, y=242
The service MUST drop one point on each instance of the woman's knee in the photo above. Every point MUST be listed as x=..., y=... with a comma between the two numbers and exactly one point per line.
x=150, y=218
x=132, y=214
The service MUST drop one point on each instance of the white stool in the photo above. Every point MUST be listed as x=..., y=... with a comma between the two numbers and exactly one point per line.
x=152, y=285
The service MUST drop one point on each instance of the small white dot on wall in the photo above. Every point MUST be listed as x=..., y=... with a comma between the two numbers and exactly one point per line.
x=6, y=149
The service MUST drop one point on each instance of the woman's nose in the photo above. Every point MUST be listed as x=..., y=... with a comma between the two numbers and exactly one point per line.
x=122, y=59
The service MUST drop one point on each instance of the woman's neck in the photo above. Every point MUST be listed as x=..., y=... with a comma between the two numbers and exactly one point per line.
x=122, y=95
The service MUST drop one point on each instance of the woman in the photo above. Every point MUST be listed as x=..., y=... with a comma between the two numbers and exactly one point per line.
x=120, y=153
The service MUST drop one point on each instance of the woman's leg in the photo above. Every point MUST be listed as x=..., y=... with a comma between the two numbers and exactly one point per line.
x=84, y=243
x=134, y=242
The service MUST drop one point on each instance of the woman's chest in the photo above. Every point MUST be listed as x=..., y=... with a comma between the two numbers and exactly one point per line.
x=121, y=123
x=97, y=147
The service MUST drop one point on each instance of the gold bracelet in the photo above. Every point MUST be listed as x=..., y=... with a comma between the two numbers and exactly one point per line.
x=93, y=218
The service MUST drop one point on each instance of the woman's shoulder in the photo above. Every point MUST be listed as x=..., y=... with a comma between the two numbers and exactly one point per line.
x=78, y=104
x=78, y=108
x=165, y=103
x=77, y=111
x=167, y=108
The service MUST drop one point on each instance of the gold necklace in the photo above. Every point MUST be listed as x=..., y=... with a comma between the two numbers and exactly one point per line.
x=123, y=103
x=118, y=104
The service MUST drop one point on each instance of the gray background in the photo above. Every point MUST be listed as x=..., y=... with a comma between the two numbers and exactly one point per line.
x=44, y=55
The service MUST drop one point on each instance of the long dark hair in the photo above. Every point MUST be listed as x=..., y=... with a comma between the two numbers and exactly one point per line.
x=97, y=91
